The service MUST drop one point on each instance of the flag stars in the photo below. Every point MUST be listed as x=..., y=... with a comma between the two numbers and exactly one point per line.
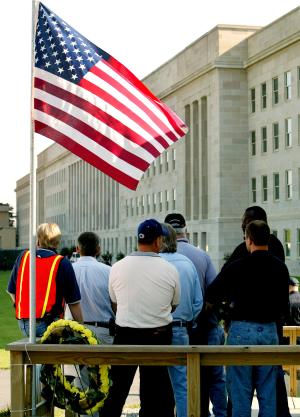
x=65, y=51
x=90, y=58
x=55, y=53
x=45, y=56
x=73, y=43
x=68, y=59
x=79, y=58
x=82, y=67
x=74, y=77
x=60, y=70
x=47, y=64
x=57, y=61
x=71, y=68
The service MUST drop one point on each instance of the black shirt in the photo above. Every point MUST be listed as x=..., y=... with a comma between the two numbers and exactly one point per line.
x=257, y=286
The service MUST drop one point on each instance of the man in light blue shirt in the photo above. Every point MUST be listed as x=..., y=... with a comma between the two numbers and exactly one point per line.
x=191, y=302
x=92, y=278
x=208, y=330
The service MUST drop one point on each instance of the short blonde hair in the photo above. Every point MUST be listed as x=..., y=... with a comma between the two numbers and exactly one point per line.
x=48, y=235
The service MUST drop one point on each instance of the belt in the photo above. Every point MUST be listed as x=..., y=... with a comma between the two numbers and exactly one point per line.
x=98, y=324
x=180, y=323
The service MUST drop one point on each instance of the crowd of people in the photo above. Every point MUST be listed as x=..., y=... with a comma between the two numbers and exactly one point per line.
x=168, y=292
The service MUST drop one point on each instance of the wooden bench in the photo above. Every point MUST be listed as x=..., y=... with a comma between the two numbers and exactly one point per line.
x=292, y=332
x=190, y=356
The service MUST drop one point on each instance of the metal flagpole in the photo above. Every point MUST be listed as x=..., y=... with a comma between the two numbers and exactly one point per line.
x=32, y=207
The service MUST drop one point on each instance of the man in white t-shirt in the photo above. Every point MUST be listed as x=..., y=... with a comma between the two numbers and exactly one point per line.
x=144, y=289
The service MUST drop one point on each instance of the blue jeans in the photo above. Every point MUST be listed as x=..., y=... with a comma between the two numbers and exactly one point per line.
x=41, y=327
x=178, y=374
x=242, y=380
x=216, y=374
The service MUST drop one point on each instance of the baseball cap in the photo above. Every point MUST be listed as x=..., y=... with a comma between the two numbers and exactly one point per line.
x=149, y=230
x=293, y=281
x=176, y=220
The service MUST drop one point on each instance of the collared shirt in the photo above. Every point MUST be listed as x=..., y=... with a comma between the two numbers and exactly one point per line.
x=92, y=278
x=191, y=299
x=144, y=286
x=66, y=285
x=203, y=264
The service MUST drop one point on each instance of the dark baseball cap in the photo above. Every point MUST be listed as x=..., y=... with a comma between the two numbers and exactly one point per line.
x=293, y=281
x=176, y=220
x=149, y=230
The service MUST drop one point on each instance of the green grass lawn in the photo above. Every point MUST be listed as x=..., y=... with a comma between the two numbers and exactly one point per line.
x=9, y=326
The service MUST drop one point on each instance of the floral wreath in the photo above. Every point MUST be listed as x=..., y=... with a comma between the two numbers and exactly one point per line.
x=58, y=388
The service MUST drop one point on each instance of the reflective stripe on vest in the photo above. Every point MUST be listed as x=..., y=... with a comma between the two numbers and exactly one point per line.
x=46, y=271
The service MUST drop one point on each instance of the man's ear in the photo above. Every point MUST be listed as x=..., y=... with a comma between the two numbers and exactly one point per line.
x=98, y=250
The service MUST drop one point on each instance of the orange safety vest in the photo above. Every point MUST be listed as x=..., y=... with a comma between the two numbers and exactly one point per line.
x=46, y=271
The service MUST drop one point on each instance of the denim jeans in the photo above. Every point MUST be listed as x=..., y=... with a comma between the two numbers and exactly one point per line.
x=178, y=374
x=242, y=380
x=41, y=327
x=216, y=376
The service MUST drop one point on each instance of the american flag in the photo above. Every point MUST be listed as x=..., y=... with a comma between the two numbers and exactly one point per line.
x=88, y=102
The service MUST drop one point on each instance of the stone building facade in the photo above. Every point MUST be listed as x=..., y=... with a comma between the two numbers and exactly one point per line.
x=7, y=228
x=238, y=89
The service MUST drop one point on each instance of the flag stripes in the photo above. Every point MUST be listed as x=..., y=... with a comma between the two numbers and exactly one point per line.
x=92, y=105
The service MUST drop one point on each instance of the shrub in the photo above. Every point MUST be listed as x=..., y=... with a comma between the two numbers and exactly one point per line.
x=8, y=258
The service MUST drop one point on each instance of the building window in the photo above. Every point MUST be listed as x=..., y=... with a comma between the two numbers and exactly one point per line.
x=264, y=181
x=160, y=202
x=288, y=184
x=195, y=239
x=275, y=136
x=173, y=199
x=288, y=85
x=131, y=206
x=154, y=167
x=298, y=243
x=253, y=143
x=252, y=98
x=275, y=90
x=142, y=205
x=137, y=205
x=167, y=161
x=287, y=242
x=264, y=143
x=263, y=91
x=127, y=208
x=148, y=203
x=288, y=132
x=173, y=159
x=154, y=202
x=167, y=197
x=253, y=189
x=276, y=186
x=298, y=129
x=160, y=161
x=298, y=81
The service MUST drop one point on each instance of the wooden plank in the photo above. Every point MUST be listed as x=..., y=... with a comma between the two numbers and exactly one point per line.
x=17, y=383
x=193, y=384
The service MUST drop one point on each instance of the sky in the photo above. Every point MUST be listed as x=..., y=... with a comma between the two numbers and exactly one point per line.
x=141, y=34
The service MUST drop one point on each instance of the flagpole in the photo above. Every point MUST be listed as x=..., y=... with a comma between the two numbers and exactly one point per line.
x=32, y=209
x=32, y=220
